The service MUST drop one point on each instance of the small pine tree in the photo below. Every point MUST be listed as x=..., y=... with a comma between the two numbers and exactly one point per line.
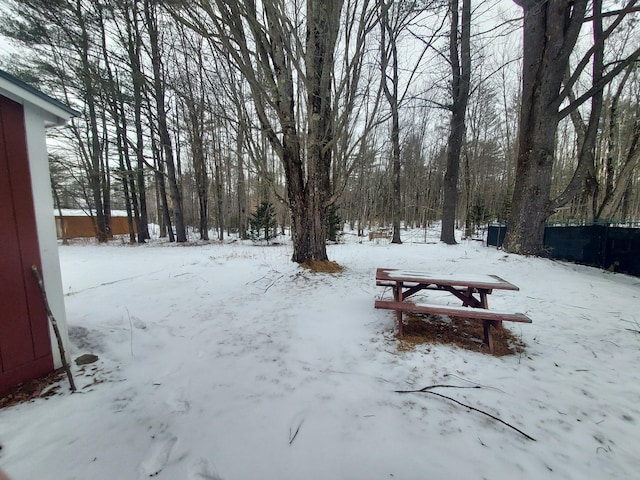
x=263, y=222
x=505, y=208
x=334, y=223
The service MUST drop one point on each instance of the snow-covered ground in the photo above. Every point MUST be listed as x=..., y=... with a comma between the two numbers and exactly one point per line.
x=231, y=362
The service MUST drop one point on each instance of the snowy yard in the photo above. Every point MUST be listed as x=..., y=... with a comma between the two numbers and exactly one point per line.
x=231, y=362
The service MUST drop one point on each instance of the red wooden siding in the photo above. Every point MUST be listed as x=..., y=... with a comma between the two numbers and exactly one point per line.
x=25, y=346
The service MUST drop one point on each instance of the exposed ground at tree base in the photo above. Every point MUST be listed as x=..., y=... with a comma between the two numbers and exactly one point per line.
x=322, y=266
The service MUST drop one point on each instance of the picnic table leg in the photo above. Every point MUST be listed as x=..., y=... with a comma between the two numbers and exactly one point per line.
x=400, y=324
x=485, y=304
x=470, y=291
x=488, y=338
x=487, y=324
x=398, y=297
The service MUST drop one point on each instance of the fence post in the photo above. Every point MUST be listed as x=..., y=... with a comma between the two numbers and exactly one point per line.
x=604, y=245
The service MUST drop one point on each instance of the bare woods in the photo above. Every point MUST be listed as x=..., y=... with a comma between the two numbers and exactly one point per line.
x=378, y=113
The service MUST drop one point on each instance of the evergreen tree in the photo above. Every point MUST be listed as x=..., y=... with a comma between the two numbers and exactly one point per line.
x=263, y=220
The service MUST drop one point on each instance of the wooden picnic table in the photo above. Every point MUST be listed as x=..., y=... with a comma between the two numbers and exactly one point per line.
x=471, y=289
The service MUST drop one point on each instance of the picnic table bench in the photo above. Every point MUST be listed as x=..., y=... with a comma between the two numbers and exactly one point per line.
x=470, y=289
x=383, y=233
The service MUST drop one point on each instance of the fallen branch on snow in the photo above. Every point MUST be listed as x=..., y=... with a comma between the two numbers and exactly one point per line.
x=428, y=389
x=292, y=436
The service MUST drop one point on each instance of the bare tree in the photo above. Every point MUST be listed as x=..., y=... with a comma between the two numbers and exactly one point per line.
x=551, y=29
x=460, y=60
x=159, y=88
x=190, y=88
x=63, y=35
x=131, y=39
x=623, y=144
x=389, y=55
x=115, y=105
x=276, y=56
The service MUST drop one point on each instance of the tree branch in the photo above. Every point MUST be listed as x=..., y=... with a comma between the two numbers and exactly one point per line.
x=598, y=44
x=430, y=387
x=635, y=56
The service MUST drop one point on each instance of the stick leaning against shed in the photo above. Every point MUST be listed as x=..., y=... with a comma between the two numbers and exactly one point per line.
x=54, y=324
x=470, y=289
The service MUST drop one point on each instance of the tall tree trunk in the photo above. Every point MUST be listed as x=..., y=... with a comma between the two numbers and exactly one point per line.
x=117, y=112
x=164, y=212
x=163, y=129
x=134, y=46
x=241, y=182
x=461, y=72
x=389, y=54
x=219, y=186
x=194, y=102
x=133, y=206
x=58, y=205
x=322, y=32
x=105, y=176
x=551, y=29
x=468, y=222
x=94, y=172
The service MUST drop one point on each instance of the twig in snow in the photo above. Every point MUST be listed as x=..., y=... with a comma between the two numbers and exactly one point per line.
x=473, y=383
x=428, y=390
x=272, y=283
x=635, y=322
x=429, y=387
x=256, y=281
x=295, y=434
x=265, y=277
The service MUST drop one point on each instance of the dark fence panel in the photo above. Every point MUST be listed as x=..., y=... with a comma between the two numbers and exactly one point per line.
x=622, y=250
x=613, y=248
x=495, y=235
x=576, y=244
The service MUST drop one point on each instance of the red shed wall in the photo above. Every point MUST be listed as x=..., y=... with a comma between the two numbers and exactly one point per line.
x=25, y=346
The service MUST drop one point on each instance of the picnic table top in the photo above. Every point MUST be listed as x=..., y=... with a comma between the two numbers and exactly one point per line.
x=474, y=280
